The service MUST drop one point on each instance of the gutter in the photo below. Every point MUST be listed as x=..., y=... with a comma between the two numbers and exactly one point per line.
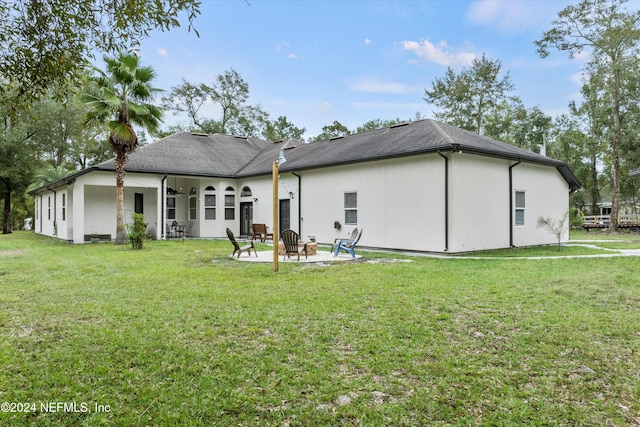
x=55, y=211
x=446, y=198
x=511, y=222
x=163, y=196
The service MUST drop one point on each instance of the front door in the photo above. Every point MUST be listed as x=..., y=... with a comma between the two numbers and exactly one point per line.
x=285, y=215
x=138, y=203
x=246, y=218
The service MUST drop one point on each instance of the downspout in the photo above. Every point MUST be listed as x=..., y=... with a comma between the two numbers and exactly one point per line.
x=55, y=212
x=511, y=224
x=163, y=225
x=299, y=201
x=40, y=212
x=446, y=201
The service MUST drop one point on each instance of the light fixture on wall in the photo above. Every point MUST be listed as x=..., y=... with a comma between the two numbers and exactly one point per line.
x=255, y=199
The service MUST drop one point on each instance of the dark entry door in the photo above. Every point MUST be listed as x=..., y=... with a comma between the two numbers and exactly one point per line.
x=285, y=215
x=246, y=217
x=138, y=204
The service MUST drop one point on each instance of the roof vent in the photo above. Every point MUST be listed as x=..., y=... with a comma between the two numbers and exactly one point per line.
x=241, y=137
x=336, y=138
x=397, y=125
x=199, y=134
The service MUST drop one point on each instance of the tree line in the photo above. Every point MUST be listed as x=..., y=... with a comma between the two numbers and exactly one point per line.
x=58, y=114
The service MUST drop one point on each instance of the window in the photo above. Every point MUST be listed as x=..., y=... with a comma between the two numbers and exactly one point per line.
x=520, y=205
x=171, y=208
x=245, y=192
x=210, y=203
x=64, y=206
x=193, y=204
x=351, y=208
x=229, y=203
x=49, y=208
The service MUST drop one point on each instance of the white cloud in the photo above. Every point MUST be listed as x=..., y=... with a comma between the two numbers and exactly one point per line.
x=293, y=56
x=162, y=51
x=576, y=78
x=371, y=85
x=367, y=41
x=441, y=54
x=378, y=106
x=326, y=105
x=280, y=46
x=510, y=15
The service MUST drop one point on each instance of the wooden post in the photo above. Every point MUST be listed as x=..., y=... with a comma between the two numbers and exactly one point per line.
x=276, y=220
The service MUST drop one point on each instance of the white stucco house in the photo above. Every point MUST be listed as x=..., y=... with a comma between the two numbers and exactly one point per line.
x=420, y=186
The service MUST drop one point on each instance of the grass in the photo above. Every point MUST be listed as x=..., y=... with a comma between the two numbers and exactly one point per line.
x=179, y=334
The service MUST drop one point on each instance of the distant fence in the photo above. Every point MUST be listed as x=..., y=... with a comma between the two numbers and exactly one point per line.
x=604, y=221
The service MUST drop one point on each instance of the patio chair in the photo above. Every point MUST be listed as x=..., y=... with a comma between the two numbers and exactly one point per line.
x=292, y=245
x=352, y=236
x=348, y=245
x=187, y=231
x=260, y=232
x=237, y=248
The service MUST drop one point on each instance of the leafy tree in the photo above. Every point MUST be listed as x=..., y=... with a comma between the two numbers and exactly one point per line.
x=378, y=124
x=334, y=130
x=612, y=35
x=47, y=43
x=230, y=94
x=281, y=128
x=17, y=157
x=122, y=97
x=61, y=136
x=467, y=98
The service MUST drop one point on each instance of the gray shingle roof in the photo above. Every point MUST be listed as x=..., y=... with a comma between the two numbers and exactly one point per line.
x=187, y=153
x=219, y=155
x=406, y=139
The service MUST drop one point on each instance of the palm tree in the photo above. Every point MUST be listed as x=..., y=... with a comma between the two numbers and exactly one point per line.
x=47, y=175
x=122, y=97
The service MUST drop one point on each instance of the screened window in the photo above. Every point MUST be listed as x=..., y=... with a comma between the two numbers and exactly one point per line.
x=171, y=208
x=193, y=204
x=229, y=203
x=351, y=208
x=49, y=208
x=210, y=203
x=64, y=206
x=520, y=206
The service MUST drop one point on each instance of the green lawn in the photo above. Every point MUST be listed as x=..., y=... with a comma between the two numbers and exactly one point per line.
x=179, y=334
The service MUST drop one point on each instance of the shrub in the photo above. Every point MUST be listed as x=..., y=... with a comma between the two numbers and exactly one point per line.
x=137, y=232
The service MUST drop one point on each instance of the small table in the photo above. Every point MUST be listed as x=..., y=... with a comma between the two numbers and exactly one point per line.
x=312, y=248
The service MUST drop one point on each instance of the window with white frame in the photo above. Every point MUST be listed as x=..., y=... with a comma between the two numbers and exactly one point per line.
x=210, y=202
x=171, y=208
x=229, y=203
x=351, y=208
x=64, y=206
x=49, y=208
x=193, y=204
x=519, y=208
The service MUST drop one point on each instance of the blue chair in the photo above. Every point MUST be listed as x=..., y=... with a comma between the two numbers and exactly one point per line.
x=348, y=245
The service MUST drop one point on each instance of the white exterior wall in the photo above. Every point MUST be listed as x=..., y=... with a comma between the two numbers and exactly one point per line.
x=478, y=203
x=400, y=202
x=546, y=195
x=94, y=207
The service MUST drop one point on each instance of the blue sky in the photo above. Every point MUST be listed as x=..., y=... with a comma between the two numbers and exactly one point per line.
x=353, y=61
